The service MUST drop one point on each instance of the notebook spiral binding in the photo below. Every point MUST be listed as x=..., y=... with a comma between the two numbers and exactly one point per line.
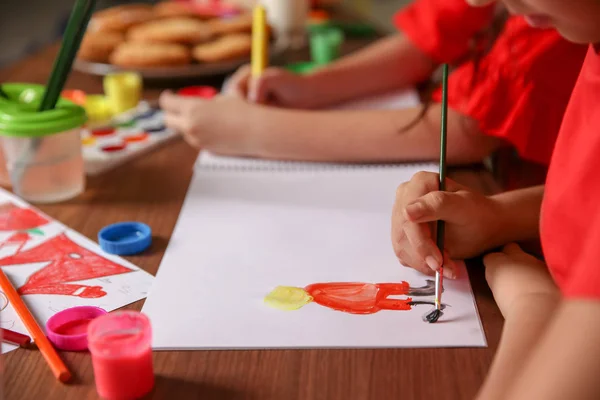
x=209, y=162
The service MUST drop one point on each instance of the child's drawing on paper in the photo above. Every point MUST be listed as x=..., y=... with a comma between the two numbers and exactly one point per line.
x=14, y=218
x=351, y=297
x=67, y=262
x=57, y=268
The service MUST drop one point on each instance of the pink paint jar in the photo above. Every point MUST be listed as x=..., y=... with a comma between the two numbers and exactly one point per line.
x=121, y=347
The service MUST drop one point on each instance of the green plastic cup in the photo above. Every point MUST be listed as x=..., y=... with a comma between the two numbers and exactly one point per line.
x=325, y=45
x=42, y=150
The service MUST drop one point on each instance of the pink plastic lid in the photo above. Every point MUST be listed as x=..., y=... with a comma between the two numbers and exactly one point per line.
x=67, y=329
x=206, y=92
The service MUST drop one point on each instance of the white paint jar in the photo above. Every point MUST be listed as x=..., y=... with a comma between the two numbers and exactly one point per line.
x=288, y=20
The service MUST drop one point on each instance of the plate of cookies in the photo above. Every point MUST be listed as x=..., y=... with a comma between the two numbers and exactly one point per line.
x=166, y=40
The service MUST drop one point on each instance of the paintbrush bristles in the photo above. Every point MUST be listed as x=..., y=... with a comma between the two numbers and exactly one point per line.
x=433, y=316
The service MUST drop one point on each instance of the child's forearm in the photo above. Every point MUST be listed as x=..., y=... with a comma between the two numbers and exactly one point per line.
x=523, y=327
x=565, y=362
x=364, y=136
x=390, y=63
x=520, y=211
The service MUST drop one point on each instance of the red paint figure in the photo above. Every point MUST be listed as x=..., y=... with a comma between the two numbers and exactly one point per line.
x=366, y=298
x=13, y=218
x=68, y=262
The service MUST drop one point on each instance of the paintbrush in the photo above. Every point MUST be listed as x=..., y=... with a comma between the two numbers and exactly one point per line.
x=436, y=313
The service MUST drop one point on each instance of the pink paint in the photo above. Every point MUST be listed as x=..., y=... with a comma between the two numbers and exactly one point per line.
x=67, y=329
x=120, y=344
x=74, y=327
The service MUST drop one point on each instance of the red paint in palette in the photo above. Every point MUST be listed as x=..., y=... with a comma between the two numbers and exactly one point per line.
x=103, y=132
x=114, y=148
x=137, y=138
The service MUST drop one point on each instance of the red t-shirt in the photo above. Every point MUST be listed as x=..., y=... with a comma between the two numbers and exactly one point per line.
x=523, y=84
x=570, y=226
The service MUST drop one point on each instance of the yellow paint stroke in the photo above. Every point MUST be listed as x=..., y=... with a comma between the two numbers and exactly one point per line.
x=88, y=141
x=288, y=298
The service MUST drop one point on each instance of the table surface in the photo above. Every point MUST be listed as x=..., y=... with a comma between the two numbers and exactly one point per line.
x=152, y=189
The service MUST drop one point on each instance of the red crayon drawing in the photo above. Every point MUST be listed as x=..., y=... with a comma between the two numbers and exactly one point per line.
x=14, y=218
x=351, y=297
x=67, y=262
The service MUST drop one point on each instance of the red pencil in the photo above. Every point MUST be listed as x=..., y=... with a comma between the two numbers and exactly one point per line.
x=17, y=338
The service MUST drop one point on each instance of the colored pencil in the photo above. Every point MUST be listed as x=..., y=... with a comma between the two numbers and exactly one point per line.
x=13, y=337
x=59, y=369
x=259, y=41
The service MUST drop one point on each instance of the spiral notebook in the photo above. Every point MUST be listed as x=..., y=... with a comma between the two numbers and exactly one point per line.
x=271, y=254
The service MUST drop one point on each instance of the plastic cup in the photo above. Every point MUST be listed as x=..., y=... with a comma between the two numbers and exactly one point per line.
x=325, y=45
x=288, y=20
x=121, y=348
x=42, y=149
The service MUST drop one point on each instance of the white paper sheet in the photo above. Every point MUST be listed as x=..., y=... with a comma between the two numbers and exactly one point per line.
x=387, y=101
x=52, y=263
x=241, y=234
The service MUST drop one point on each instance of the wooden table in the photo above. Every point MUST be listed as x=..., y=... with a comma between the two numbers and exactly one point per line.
x=151, y=189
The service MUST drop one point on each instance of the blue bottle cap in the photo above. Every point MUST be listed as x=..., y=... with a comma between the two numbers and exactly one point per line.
x=125, y=238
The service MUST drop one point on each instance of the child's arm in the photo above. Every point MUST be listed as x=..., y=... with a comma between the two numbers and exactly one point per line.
x=565, y=360
x=550, y=347
x=391, y=63
x=229, y=125
x=388, y=64
x=527, y=297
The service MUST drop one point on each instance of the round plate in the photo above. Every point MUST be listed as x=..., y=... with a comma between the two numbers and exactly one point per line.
x=165, y=73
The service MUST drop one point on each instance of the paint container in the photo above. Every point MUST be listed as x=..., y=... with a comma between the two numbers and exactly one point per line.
x=288, y=20
x=67, y=329
x=123, y=91
x=325, y=45
x=42, y=149
x=121, y=347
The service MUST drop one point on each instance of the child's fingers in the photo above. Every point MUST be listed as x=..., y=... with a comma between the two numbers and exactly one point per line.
x=513, y=249
x=422, y=246
x=433, y=206
x=238, y=83
x=493, y=260
x=451, y=267
x=171, y=103
x=259, y=89
x=176, y=122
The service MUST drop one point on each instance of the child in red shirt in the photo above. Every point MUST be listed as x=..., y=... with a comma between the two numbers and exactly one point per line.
x=550, y=346
x=511, y=95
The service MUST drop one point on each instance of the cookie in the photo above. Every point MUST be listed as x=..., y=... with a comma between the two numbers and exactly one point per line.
x=239, y=24
x=228, y=47
x=148, y=55
x=173, y=10
x=120, y=18
x=97, y=47
x=173, y=30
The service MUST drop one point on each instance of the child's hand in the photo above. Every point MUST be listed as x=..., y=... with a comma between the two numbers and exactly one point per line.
x=275, y=86
x=514, y=276
x=471, y=222
x=216, y=124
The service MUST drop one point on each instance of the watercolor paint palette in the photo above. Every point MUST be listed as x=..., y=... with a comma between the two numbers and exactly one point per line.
x=129, y=135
